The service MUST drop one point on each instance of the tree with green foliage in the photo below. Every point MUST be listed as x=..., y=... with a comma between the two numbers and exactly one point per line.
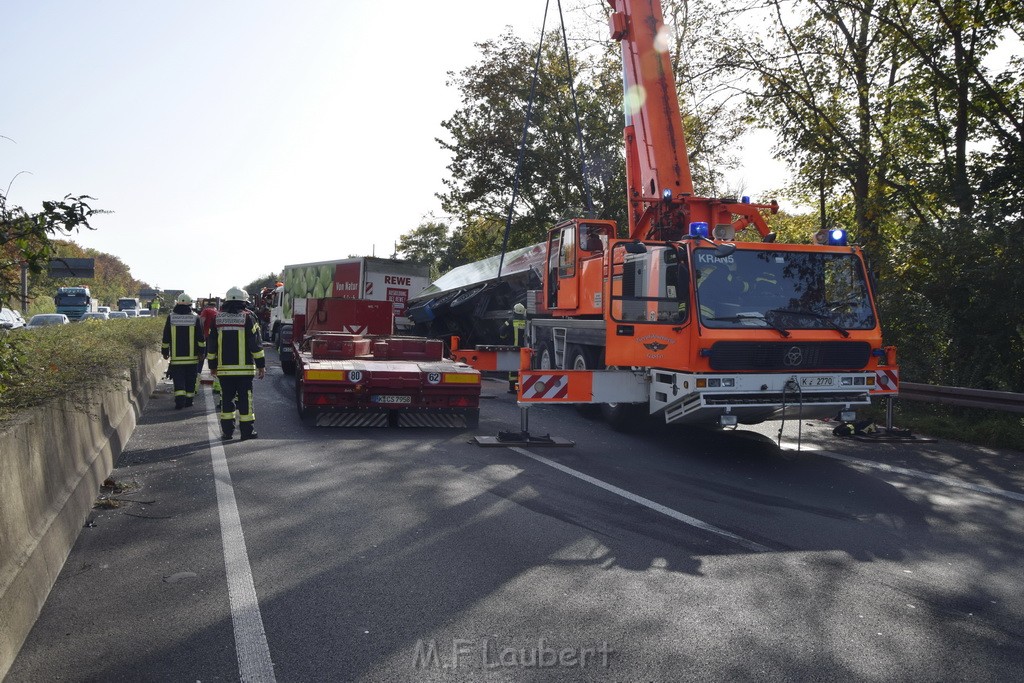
x=112, y=278
x=28, y=238
x=431, y=242
x=484, y=139
x=268, y=280
x=897, y=123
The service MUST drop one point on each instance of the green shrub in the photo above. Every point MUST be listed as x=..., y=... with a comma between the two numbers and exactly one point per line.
x=37, y=366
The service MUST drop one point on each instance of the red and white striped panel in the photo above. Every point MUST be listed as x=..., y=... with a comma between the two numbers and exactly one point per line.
x=540, y=386
x=887, y=381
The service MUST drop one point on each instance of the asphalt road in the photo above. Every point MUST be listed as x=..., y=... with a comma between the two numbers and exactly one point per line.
x=414, y=554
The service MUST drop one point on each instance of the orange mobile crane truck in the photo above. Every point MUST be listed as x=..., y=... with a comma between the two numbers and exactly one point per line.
x=681, y=319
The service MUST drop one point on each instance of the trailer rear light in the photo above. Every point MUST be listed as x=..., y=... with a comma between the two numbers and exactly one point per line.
x=460, y=378
x=461, y=402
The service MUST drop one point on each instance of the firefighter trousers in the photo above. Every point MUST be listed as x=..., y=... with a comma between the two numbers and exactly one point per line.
x=184, y=376
x=236, y=394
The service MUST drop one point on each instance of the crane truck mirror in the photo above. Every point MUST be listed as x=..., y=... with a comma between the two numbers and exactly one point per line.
x=635, y=248
x=723, y=250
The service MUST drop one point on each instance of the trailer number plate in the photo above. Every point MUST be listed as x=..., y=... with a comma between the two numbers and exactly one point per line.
x=391, y=399
x=817, y=381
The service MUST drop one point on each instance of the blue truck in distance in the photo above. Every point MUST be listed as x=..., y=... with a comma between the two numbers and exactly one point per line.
x=74, y=302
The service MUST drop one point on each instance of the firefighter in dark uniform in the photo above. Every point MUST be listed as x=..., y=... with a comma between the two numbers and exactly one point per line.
x=518, y=338
x=184, y=344
x=235, y=357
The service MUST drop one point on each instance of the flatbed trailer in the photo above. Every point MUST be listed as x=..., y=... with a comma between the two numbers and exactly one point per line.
x=362, y=379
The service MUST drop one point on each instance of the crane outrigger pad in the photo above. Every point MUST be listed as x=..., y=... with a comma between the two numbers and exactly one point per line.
x=523, y=439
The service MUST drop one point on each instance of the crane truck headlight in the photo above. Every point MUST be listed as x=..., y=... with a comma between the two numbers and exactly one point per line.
x=698, y=229
x=724, y=231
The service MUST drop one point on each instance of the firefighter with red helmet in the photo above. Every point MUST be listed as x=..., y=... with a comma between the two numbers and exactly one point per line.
x=235, y=357
x=207, y=315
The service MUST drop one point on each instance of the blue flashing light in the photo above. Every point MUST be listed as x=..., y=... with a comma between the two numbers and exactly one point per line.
x=837, y=237
x=666, y=195
x=745, y=199
x=698, y=229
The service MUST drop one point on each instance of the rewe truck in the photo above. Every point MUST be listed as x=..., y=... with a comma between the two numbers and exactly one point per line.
x=700, y=315
x=368, y=278
x=74, y=302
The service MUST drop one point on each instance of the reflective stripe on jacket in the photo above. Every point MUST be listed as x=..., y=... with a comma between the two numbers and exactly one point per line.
x=235, y=345
x=183, y=340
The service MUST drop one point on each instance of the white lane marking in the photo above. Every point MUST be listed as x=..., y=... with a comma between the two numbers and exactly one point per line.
x=254, y=662
x=647, y=503
x=905, y=471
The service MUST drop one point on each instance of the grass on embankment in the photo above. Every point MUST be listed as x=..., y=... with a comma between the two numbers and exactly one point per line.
x=37, y=366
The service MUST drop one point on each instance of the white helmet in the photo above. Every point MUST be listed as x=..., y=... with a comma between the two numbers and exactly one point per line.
x=183, y=299
x=237, y=294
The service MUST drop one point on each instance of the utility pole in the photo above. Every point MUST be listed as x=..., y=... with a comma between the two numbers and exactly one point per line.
x=24, y=288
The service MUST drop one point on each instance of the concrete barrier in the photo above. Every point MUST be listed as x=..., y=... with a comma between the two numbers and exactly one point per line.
x=53, y=460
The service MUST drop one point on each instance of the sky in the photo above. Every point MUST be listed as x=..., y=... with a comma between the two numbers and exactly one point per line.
x=229, y=138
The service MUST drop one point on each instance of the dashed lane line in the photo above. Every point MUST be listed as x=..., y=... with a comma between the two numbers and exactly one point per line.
x=254, y=663
x=647, y=503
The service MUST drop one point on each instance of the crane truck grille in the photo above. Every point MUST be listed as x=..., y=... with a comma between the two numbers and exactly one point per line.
x=791, y=356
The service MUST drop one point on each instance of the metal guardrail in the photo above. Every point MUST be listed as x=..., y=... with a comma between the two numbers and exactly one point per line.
x=1006, y=401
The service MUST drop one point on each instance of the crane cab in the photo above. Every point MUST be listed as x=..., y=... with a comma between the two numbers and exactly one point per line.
x=575, y=264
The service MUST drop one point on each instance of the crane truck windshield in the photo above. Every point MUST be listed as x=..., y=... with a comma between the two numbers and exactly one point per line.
x=782, y=289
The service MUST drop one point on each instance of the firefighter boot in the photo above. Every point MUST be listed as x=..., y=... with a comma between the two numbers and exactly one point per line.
x=179, y=402
x=248, y=430
x=227, y=429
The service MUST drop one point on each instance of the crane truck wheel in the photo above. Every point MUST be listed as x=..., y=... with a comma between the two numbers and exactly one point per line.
x=624, y=417
x=304, y=413
x=545, y=355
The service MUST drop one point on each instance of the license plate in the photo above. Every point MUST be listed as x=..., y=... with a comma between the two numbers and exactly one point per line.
x=391, y=399
x=817, y=381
